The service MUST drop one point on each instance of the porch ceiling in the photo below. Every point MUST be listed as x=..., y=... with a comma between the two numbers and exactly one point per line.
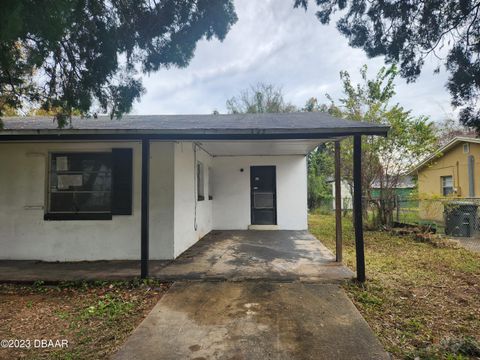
x=264, y=147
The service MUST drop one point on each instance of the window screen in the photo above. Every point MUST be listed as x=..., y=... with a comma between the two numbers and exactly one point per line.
x=200, y=182
x=80, y=183
x=447, y=185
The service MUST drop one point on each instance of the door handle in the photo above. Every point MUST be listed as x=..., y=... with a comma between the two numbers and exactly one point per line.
x=255, y=188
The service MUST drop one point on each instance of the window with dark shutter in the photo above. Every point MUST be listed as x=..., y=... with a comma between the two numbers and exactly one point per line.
x=122, y=169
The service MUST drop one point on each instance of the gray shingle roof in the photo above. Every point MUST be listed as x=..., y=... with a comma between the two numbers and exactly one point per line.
x=283, y=123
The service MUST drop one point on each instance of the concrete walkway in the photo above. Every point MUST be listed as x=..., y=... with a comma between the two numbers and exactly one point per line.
x=253, y=321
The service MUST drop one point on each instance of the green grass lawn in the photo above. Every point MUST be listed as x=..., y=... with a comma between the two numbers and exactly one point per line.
x=422, y=301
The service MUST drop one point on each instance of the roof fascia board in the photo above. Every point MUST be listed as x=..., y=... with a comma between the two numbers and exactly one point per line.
x=21, y=136
x=440, y=152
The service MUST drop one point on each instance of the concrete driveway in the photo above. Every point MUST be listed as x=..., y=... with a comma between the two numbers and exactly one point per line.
x=290, y=307
x=221, y=255
x=236, y=255
x=253, y=321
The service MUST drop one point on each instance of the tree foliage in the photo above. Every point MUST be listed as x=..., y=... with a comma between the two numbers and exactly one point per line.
x=385, y=159
x=449, y=128
x=320, y=164
x=260, y=98
x=407, y=32
x=70, y=54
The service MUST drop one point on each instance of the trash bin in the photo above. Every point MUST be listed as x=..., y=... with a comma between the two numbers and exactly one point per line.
x=461, y=218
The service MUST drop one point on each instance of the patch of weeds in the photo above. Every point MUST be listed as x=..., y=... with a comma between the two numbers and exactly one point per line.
x=39, y=286
x=467, y=346
x=38, y=283
x=69, y=284
x=413, y=325
x=100, y=283
x=467, y=264
x=455, y=357
x=449, y=349
x=108, y=306
x=29, y=304
x=366, y=298
x=365, y=293
x=62, y=314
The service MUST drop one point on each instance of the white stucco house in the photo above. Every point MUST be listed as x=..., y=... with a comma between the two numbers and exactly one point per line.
x=149, y=187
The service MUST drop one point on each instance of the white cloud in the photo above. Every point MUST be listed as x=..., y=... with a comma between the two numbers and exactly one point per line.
x=274, y=43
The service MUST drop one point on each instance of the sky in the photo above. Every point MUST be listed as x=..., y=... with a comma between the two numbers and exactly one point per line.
x=276, y=44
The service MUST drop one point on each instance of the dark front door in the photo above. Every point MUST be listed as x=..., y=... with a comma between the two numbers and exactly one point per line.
x=263, y=195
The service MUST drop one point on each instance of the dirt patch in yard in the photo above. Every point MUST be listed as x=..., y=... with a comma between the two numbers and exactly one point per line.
x=421, y=300
x=93, y=319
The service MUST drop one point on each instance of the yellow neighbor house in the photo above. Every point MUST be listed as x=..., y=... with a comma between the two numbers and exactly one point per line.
x=452, y=172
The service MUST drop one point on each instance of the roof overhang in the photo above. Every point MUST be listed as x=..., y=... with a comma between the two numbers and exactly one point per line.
x=283, y=126
x=207, y=134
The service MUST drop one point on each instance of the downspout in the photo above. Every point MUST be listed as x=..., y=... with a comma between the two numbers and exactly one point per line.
x=471, y=176
x=458, y=180
x=195, y=186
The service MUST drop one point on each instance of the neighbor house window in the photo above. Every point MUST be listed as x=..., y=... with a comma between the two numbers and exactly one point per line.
x=210, y=183
x=466, y=148
x=82, y=186
x=447, y=185
x=200, y=182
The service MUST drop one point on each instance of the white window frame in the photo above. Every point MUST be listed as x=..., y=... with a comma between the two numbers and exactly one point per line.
x=443, y=185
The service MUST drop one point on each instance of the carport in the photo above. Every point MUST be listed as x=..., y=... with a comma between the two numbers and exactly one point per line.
x=167, y=146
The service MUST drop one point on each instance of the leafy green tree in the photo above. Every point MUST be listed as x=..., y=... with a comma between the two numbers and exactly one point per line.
x=320, y=171
x=407, y=32
x=260, y=98
x=72, y=54
x=385, y=159
x=320, y=164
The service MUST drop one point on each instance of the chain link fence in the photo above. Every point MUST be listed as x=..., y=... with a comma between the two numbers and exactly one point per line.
x=454, y=218
x=457, y=218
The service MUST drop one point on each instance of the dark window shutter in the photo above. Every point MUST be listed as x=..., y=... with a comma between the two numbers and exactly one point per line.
x=122, y=174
